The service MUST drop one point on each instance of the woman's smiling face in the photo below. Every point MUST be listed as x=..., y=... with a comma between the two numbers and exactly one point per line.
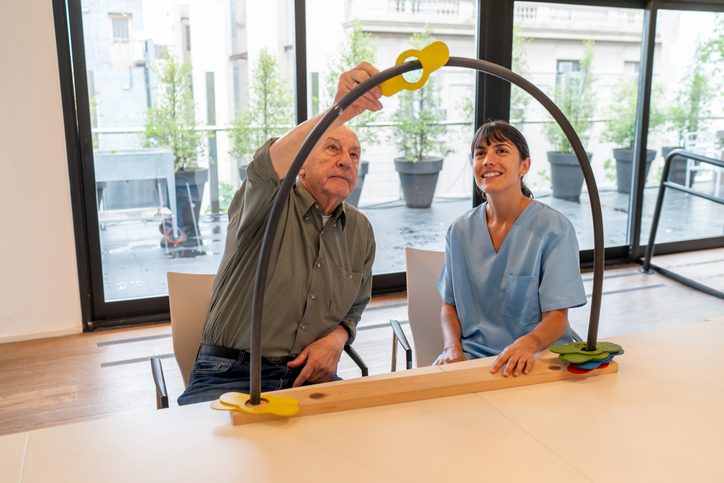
x=498, y=166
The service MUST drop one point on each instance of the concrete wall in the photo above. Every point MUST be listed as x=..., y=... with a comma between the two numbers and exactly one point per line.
x=39, y=294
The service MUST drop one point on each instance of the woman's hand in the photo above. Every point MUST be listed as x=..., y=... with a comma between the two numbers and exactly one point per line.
x=518, y=358
x=451, y=354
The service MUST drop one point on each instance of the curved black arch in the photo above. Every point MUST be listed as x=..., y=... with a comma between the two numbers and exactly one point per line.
x=346, y=101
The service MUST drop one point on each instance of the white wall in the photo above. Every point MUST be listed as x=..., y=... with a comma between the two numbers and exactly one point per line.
x=39, y=294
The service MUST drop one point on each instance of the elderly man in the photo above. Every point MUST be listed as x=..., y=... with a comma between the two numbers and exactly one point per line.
x=320, y=275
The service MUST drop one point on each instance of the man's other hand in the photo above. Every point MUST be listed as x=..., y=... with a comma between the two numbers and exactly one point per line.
x=320, y=358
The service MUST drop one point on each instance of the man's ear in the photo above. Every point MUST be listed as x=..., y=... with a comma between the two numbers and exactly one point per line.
x=302, y=172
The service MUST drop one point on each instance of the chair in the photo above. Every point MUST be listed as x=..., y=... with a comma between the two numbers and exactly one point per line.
x=707, y=144
x=423, y=308
x=188, y=298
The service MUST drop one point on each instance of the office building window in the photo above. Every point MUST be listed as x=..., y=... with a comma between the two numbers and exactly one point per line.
x=120, y=27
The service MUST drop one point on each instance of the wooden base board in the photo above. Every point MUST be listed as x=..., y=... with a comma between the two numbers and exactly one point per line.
x=416, y=384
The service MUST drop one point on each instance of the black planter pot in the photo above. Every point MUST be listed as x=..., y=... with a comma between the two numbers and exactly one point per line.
x=624, y=167
x=677, y=172
x=353, y=198
x=566, y=175
x=189, y=209
x=418, y=180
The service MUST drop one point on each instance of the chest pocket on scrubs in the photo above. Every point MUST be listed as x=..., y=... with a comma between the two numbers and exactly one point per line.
x=345, y=292
x=521, y=299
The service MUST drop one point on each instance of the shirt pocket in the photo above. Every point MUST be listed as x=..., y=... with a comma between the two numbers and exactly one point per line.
x=521, y=299
x=344, y=293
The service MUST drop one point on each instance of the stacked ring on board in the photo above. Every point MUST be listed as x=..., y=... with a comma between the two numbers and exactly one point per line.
x=581, y=360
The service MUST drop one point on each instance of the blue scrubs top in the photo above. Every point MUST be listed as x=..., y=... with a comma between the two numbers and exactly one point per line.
x=501, y=296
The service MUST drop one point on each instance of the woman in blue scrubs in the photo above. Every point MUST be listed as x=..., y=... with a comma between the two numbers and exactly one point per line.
x=511, y=264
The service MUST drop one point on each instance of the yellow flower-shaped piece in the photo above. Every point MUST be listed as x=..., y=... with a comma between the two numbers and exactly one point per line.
x=431, y=57
x=276, y=405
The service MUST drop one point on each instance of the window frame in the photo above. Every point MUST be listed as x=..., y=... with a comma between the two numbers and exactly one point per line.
x=494, y=33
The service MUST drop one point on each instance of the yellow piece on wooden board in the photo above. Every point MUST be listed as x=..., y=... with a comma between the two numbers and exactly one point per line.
x=275, y=405
x=431, y=57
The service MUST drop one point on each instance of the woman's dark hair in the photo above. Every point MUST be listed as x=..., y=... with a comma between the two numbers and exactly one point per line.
x=501, y=131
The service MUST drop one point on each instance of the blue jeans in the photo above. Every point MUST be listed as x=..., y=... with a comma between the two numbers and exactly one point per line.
x=213, y=376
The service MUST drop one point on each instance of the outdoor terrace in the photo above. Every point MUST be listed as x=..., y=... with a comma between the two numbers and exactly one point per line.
x=135, y=263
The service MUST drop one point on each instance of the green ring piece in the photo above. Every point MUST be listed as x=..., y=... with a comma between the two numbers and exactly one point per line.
x=581, y=358
x=608, y=346
x=570, y=348
x=580, y=348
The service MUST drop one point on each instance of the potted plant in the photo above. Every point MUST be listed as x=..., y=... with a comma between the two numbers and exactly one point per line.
x=358, y=47
x=692, y=103
x=270, y=112
x=419, y=136
x=171, y=124
x=620, y=130
x=575, y=97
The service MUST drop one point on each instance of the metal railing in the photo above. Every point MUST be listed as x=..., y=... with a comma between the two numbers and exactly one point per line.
x=665, y=183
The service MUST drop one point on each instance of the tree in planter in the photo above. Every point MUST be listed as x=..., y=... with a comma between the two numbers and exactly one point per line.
x=574, y=95
x=270, y=111
x=358, y=47
x=419, y=136
x=693, y=101
x=171, y=124
x=621, y=126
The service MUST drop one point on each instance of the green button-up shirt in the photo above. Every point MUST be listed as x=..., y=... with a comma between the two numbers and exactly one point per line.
x=320, y=275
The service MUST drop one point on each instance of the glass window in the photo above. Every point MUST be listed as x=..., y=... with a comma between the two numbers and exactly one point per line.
x=119, y=24
x=567, y=67
x=687, y=110
x=174, y=93
x=415, y=177
x=583, y=58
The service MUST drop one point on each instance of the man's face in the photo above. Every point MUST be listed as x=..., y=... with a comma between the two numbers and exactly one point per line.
x=330, y=172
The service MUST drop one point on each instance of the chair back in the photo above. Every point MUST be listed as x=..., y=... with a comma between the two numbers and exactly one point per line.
x=424, y=303
x=189, y=295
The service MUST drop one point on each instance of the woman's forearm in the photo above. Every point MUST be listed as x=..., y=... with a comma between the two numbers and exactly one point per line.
x=552, y=327
x=451, y=328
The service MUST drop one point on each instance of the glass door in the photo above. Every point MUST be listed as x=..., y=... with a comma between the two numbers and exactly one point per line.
x=175, y=91
x=587, y=60
x=416, y=171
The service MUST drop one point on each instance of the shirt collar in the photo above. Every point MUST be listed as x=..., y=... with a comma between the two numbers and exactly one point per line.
x=308, y=202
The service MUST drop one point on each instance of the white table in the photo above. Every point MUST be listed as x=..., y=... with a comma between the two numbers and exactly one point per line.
x=661, y=418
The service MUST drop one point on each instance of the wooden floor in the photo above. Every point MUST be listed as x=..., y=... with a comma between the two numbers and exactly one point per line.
x=55, y=381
